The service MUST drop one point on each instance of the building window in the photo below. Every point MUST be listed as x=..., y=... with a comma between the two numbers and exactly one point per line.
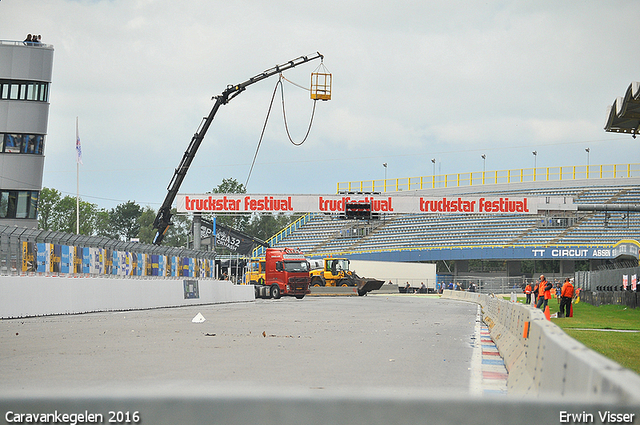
x=24, y=90
x=18, y=204
x=22, y=205
x=22, y=143
x=33, y=144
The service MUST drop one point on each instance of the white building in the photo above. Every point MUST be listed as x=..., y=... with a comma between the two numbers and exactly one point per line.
x=25, y=77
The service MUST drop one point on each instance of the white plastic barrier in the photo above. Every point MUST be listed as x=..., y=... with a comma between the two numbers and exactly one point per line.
x=41, y=296
x=214, y=404
x=545, y=360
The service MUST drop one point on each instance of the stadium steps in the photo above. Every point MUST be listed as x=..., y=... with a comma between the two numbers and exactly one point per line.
x=519, y=238
x=576, y=225
x=335, y=239
x=374, y=230
x=586, y=218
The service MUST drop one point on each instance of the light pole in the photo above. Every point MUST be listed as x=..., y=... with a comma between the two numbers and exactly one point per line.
x=433, y=161
x=535, y=163
x=433, y=175
x=587, y=150
x=384, y=164
x=484, y=166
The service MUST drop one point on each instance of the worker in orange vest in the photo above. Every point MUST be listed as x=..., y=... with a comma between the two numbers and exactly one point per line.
x=565, y=297
x=527, y=292
x=544, y=293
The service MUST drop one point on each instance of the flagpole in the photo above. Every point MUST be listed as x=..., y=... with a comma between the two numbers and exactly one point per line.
x=77, y=198
x=78, y=159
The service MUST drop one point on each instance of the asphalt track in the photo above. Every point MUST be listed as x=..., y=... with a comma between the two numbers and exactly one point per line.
x=408, y=342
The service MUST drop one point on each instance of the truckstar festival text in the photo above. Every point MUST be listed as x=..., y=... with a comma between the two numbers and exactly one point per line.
x=379, y=203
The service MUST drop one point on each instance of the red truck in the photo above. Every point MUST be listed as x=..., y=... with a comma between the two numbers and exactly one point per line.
x=286, y=273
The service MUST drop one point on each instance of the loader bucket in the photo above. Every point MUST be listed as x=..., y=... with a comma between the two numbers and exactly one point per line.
x=368, y=285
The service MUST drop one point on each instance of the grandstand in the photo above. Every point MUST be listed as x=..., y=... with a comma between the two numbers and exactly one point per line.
x=590, y=233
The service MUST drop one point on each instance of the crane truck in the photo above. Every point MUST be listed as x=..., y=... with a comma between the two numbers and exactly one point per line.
x=163, y=219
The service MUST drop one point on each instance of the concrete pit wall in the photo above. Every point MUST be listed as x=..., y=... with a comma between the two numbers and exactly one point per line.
x=43, y=296
x=546, y=360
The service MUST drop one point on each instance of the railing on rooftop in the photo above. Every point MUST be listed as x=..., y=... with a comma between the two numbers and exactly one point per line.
x=26, y=44
x=523, y=175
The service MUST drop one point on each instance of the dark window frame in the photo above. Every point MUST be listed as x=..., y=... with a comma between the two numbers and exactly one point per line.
x=32, y=144
x=23, y=90
x=10, y=202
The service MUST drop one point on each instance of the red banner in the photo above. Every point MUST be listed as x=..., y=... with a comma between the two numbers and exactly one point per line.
x=219, y=202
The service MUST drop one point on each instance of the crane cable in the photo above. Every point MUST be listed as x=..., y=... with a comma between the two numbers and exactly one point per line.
x=284, y=114
x=264, y=127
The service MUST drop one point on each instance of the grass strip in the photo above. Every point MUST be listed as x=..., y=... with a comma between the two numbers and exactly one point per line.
x=621, y=347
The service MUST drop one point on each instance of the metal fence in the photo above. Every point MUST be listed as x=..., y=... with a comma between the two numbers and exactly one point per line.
x=616, y=286
x=485, y=284
x=608, y=280
x=19, y=246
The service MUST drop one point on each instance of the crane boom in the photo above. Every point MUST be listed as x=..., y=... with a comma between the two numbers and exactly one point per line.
x=163, y=219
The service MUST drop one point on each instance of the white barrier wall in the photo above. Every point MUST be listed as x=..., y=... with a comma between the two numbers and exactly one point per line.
x=545, y=360
x=41, y=296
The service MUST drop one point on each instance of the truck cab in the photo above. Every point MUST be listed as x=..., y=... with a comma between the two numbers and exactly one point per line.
x=286, y=273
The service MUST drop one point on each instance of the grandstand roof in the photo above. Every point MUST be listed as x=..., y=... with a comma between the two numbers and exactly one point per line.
x=624, y=115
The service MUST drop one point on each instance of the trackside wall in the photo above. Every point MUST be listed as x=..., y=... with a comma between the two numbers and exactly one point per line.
x=42, y=296
x=545, y=360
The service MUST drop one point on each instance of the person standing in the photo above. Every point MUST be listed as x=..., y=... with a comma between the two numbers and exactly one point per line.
x=547, y=293
x=527, y=292
x=565, y=298
x=544, y=293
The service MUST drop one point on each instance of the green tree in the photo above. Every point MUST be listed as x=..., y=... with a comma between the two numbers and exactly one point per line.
x=58, y=213
x=124, y=220
x=47, y=200
x=237, y=221
x=147, y=232
x=102, y=225
x=88, y=213
x=264, y=226
x=179, y=231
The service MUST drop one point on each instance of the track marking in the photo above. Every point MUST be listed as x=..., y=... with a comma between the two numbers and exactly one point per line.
x=475, y=381
x=488, y=372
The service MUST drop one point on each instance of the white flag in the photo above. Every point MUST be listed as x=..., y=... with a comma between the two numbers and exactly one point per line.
x=78, y=147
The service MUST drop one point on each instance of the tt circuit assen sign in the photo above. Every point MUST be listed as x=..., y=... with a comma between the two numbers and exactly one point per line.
x=234, y=203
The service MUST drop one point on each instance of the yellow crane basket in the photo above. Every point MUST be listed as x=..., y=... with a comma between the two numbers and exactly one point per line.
x=321, y=83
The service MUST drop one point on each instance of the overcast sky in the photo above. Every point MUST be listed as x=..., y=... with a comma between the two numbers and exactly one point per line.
x=412, y=81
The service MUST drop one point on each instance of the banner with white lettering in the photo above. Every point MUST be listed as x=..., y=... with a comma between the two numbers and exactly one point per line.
x=227, y=237
x=218, y=202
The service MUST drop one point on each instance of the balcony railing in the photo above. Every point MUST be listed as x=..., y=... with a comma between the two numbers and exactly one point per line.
x=523, y=175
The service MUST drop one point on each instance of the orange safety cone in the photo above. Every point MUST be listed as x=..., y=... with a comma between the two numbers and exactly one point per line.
x=547, y=314
x=571, y=310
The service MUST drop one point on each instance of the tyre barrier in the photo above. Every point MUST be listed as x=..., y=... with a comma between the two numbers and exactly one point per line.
x=542, y=359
